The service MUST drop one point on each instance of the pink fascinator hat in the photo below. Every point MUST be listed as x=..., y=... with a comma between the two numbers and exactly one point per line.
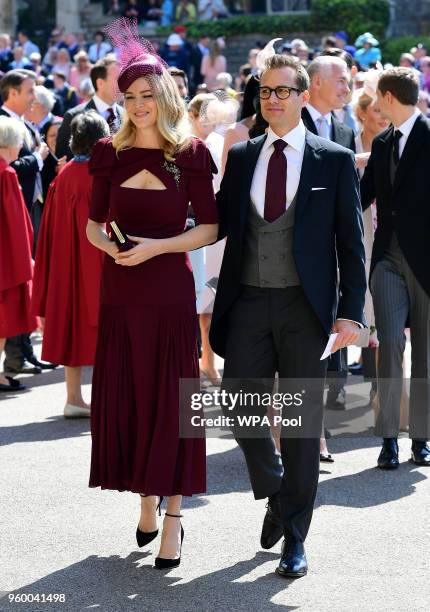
x=137, y=56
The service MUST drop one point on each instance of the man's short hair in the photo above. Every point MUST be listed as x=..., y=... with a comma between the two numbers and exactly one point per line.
x=13, y=80
x=100, y=68
x=402, y=83
x=173, y=71
x=279, y=61
x=322, y=62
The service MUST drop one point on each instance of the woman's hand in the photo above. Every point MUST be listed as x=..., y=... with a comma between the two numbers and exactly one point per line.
x=361, y=160
x=145, y=249
x=112, y=250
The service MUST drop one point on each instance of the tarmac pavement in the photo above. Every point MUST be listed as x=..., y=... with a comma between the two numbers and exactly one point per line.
x=368, y=547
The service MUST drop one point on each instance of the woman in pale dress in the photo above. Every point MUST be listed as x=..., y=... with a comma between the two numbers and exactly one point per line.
x=372, y=123
x=212, y=64
x=206, y=112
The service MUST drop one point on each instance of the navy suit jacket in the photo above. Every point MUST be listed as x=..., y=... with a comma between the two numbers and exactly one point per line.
x=26, y=166
x=340, y=133
x=404, y=207
x=328, y=232
x=64, y=133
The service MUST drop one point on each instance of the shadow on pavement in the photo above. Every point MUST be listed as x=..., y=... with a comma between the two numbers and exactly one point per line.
x=369, y=488
x=114, y=584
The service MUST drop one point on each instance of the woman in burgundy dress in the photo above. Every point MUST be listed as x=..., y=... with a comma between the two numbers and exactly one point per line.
x=144, y=180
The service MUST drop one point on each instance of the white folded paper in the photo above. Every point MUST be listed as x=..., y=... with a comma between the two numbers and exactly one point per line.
x=327, y=350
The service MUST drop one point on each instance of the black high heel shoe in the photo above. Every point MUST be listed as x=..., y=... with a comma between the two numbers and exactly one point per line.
x=145, y=537
x=161, y=563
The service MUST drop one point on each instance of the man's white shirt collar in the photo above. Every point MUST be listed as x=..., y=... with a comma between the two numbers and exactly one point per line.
x=101, y=106
x=295, y=138
x=315, y=114
x=406, y=127
x=12, y=113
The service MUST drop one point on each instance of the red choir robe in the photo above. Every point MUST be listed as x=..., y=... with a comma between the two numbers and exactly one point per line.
x=16, y=266
x=66, y=286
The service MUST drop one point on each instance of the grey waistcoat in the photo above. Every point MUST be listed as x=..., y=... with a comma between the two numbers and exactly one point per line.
x=268, y=251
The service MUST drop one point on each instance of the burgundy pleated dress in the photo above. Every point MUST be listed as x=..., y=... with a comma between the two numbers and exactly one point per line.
x=147, y=325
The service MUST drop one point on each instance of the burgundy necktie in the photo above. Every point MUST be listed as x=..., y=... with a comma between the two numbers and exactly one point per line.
x=274, y=202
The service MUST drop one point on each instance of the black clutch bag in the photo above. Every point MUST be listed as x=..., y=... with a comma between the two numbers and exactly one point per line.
x=120, y=238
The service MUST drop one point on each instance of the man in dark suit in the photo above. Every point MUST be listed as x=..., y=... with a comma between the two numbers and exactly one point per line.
x=289, y=205
x=17, y=93
x=329, y=88
x=199, y=51
x=397, y=176
x=104, y=77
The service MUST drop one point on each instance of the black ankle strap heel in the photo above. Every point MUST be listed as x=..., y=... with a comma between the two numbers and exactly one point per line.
x=160, y=562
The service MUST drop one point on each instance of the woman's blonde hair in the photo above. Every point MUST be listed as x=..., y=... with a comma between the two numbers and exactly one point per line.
x=172, y=120
x=361, y=101
x=214, y=51
x=199, y=101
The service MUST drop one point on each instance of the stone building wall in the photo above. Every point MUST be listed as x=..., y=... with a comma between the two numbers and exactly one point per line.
x=409, y=17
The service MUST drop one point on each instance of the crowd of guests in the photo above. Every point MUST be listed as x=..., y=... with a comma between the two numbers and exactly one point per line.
x=57, y=164
x=152, y=13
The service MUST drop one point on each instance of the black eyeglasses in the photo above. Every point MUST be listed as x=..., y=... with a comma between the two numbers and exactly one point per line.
x=282, y=92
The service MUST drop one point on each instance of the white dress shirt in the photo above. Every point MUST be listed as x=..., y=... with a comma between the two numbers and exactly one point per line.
x=294, y=151
x=102, y=109
x=316, y=115
x=406, y=129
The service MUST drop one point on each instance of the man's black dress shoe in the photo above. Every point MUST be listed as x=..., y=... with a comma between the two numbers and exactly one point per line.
x=14, y=385
x=420, y=452
x=24, y=368
x=272, y=530
x=389, y=456
x=293, y=563
x=43, y=365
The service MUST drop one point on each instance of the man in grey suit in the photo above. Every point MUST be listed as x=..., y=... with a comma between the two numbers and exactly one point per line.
x=397, y=176
x=104, y=77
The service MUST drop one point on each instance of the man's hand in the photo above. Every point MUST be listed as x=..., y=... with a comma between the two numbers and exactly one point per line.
x=61, y=163
x=43, y=150
x=348, y=333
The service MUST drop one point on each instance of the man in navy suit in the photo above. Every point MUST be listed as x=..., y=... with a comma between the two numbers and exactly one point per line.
x=289, y=205
x=329, y=87
x=104, y=77
x=396, y=175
